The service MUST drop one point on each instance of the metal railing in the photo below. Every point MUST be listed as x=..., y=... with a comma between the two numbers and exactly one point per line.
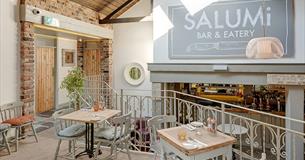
x=257, y=132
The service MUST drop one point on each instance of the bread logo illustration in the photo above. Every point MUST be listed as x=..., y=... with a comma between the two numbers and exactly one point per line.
x=265, y=48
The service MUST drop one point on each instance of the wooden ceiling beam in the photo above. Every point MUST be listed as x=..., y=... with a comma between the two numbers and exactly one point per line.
x=121, y=20
x=118, y=9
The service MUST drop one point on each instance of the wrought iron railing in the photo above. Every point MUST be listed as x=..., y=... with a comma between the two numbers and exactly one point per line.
x=257, y=132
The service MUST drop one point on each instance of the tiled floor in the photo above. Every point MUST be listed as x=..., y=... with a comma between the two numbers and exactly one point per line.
x=45, y=149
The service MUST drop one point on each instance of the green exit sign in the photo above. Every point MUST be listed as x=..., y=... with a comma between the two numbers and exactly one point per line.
x=50, y=21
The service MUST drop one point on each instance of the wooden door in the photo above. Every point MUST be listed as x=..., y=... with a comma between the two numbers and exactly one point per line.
x=92, y=67
x=44, y=79
x=92, y=62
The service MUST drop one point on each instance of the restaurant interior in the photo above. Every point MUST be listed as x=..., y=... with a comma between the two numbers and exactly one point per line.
x=152, y=79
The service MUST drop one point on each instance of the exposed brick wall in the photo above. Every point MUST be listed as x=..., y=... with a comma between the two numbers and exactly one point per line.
x=69, y=9
x=80, y=53
x=27, y=66
x=106, y=46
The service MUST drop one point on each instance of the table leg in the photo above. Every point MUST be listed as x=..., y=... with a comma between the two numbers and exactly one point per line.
x=87, y=137
x=229, y=154
x=91, y=150
x=89, y=141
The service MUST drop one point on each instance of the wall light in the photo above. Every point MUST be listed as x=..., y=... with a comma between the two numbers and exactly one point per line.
x=65, y=31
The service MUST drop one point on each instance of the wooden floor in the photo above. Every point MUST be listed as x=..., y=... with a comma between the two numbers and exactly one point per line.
x=45, y=149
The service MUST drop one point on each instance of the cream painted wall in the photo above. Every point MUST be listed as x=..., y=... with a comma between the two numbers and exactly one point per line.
x=161, y=44
x=133, y=42
x=9, y=51
x=61, y=95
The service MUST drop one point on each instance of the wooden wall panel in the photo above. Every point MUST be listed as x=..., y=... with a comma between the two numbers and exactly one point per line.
x=44, y=79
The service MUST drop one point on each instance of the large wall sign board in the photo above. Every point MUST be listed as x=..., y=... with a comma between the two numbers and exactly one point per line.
x=224, y=29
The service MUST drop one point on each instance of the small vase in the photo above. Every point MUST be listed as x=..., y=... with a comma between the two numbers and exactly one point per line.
x=96, y=107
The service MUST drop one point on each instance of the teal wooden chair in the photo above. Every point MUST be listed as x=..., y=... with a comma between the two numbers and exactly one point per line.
x=12, y=114
x=67, y=131
x=116, y=136
x=156, y=123
x=4, y=127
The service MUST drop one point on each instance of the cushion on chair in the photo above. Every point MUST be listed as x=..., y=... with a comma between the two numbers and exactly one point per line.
x=74, y=130
x=4, y=126
x=20, y=120
x=107, y=133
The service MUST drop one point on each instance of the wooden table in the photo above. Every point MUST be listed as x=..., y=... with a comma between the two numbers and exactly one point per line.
x=217, y=144
x=90, y=118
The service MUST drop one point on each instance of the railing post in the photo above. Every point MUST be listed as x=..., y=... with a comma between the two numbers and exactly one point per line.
x=116, y=100
x=175, y=104
x=164, y=103
x=223, y=120
x=122, y=100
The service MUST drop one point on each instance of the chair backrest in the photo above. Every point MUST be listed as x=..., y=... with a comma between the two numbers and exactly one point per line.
x=60, y=124
x=159, y=122
x=122, y=126
x=64, y=106
x=11, y=110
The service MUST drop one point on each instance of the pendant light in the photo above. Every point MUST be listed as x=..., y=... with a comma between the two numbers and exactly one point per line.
x=265, y=47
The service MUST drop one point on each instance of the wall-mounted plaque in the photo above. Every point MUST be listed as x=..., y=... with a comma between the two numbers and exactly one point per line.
x=224, y=29
x=68, y=58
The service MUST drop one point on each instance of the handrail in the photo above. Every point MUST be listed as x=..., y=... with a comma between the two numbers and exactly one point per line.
x=225, y=103
x=202, y=98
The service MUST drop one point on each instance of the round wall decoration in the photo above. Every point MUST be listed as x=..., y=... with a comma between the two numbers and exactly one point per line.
x=134, y=74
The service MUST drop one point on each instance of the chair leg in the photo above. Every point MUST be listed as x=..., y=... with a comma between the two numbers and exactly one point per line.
x=73, y=149
x=17, y=138
x=57, y=149
x=111, y=149
x=70, y=146
x=155, y=156
x=127, y=150
x=34, y=132
x=115, y=152
x=6, y=143
x=97, y=150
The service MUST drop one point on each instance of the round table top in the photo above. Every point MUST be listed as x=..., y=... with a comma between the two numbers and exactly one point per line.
x=233, y=129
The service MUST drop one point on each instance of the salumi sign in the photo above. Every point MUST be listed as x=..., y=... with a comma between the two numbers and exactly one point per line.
x=225, y=28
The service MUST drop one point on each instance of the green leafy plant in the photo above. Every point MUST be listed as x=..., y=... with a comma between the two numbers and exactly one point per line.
x=74, y=83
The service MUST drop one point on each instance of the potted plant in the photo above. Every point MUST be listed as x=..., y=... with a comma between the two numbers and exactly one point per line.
x=73, y=83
